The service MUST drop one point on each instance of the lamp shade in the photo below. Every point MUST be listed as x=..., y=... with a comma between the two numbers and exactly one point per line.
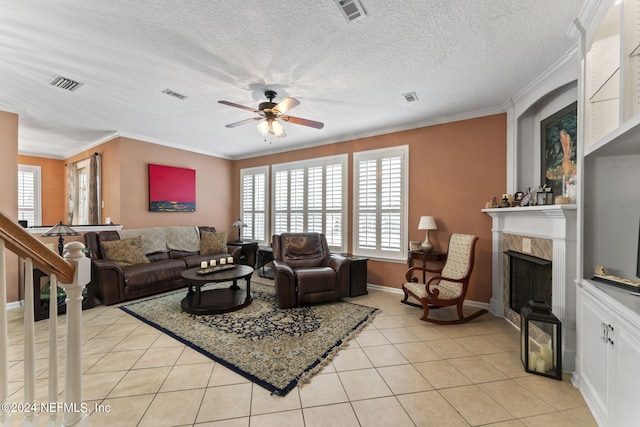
x=239, y=223
x=60, y=230
x=427, y=223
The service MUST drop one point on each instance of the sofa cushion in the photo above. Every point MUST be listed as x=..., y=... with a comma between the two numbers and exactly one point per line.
x=124, y=252
x=143, y=275
x=213, y=243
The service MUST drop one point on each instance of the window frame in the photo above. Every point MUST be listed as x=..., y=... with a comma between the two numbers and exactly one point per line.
x=37, y=192
x=324, y=162
x=258, y=170
x=403, y=152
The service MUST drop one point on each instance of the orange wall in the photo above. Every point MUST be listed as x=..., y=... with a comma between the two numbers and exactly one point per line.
x=453, y=169
x=9, y=199
x=213, y=187
x=52, y=174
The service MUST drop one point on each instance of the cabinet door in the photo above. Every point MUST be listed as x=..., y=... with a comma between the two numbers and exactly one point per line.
x=594, y=353
x=626, y=345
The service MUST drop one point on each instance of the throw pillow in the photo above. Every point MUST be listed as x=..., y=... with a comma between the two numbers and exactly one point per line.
x=213, y=243
x=124, y=252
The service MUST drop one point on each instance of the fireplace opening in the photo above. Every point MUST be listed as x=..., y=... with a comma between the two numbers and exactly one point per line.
x=530, y=278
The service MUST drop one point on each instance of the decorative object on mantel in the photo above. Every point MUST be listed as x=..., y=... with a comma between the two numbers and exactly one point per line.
x=239, y=224
x=59, y=231
x=544, y=196
x=540, y=340
x=528, y=199
x=492, y=203
x=505, y=201
x=427, y=223
x=517, y=199
x=601, y=275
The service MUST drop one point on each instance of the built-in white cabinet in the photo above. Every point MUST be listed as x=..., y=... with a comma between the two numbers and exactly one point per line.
x=608, y=317
x=608, y=353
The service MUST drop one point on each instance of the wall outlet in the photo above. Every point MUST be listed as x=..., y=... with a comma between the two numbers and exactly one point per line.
x=526, y=246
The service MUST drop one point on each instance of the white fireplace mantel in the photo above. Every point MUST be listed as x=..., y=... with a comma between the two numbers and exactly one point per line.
x=554, y=222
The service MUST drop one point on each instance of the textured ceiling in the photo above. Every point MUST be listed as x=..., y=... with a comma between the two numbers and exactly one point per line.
x=458, y=56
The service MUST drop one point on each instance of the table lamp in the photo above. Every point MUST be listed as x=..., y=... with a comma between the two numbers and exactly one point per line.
x=239, y=225
x=427, y=223
x=59, y=231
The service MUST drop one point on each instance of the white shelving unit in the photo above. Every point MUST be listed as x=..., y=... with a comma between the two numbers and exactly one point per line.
x=608, y=318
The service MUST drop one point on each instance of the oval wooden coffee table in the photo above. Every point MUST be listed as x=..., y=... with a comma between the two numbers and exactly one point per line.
x=219, y=300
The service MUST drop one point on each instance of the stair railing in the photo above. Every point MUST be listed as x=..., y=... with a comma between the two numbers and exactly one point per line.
x=71, y=273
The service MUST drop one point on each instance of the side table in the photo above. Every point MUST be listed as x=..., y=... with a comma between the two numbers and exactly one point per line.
x=424, y=257
x=41, y=311
x=264, y=257
x=249, y=250
x=358, y=275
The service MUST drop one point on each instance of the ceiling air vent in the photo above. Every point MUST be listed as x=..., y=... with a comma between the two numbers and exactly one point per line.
x=410, y=97
x=352, y=10
x=174, y=94
x=65, y=83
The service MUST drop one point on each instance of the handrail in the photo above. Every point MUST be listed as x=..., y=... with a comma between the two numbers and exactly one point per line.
x=23, y=244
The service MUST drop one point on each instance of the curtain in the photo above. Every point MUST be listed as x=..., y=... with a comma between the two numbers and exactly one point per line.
x=94, y=189
x=71, y=190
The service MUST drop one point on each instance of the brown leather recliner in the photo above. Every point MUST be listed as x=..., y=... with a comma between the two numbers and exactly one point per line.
x=306, y=273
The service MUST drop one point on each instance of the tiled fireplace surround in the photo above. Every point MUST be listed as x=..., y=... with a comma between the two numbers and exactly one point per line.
x=550, y=233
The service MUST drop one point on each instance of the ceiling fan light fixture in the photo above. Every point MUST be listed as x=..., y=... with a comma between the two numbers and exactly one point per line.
x=277, y=129
x=264, y=128
x=271, y=126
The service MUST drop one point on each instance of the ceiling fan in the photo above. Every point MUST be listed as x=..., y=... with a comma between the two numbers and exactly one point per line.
x=270, y=114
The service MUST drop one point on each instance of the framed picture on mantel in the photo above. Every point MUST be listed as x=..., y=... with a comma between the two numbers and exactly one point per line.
x=558, y=142
x=171, y=189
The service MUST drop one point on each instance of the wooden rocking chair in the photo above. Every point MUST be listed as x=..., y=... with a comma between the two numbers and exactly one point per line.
x=450, y=286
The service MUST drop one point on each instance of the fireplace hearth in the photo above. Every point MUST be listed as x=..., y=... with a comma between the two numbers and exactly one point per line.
x=530, y=279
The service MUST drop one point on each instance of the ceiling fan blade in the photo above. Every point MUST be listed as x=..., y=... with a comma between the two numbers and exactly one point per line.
x=233, y=104
x=303, y=122
x=243, y=122
x=285, y=105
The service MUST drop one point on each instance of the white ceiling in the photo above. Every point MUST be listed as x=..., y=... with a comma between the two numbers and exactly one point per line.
x=461, y=57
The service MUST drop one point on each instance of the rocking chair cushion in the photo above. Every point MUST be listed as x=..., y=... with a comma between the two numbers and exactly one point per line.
x=457, y=265
x=448, y=290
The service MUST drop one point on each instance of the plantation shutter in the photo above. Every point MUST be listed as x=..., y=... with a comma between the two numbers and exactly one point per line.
x=310, y=197
x=380, y=206
x=253, y=201
x=29, y=194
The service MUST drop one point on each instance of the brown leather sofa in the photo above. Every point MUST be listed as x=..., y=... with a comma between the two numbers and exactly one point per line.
x=114, y=284
x=305, y=271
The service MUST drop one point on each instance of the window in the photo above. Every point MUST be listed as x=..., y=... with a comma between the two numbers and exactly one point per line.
x=81, y=206
x=83, y=184
x=29, y=201
x=310, y=196
x=253, y=203
x=380, y=203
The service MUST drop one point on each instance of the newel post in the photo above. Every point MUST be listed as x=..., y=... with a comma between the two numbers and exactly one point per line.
x=74, y=415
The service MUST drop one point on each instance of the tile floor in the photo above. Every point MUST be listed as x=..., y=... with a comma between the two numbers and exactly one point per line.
x=399, y=371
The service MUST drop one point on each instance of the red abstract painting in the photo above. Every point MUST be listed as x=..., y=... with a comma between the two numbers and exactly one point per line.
x=171, y=189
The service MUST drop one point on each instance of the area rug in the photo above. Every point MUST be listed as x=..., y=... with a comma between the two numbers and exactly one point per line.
x=275, y=348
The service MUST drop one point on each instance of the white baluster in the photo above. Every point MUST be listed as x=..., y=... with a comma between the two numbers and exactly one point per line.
x=29, y=395
x=5, y=418
x=53, y=348
x=73, y=367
